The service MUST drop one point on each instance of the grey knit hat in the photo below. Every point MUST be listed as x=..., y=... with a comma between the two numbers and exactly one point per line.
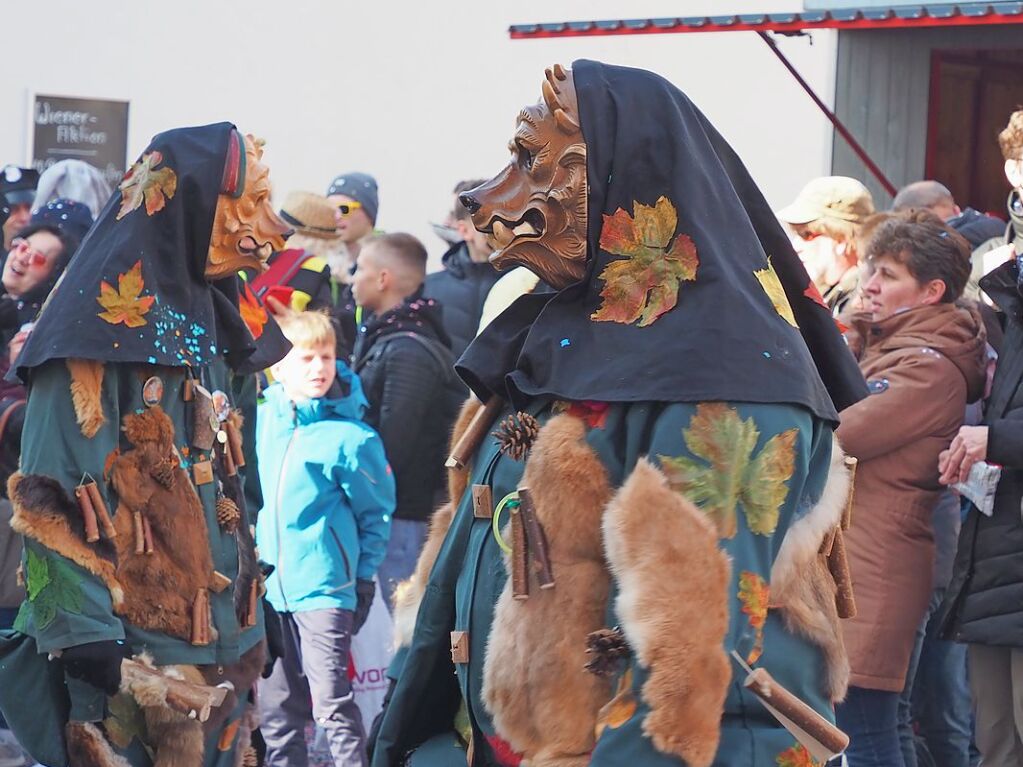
x=361, y=187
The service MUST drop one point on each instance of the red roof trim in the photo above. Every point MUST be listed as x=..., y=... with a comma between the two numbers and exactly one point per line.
x=958, y=15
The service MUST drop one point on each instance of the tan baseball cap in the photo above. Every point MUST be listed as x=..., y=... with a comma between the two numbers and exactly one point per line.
x=838, y=197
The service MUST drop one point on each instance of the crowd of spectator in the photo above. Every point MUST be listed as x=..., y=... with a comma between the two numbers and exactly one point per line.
x=352, y=429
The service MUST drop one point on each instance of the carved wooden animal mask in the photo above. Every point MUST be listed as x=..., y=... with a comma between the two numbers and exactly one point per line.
x=246, y=230
x=534, y=211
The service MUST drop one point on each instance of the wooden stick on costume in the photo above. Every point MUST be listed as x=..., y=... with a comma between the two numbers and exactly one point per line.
x=103, y=516
x=822, y=739
x=474, y=435
x=89, y=518
x=536, y=539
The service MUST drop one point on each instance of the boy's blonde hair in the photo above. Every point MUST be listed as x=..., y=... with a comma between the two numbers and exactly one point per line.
x=308, y=329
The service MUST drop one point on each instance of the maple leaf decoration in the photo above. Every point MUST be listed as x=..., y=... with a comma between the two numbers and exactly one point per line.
x=125, y=304
x=754, y=595
x=771, y=284
x=620, y=709
x=797, y=756
x=644, y=286
x=143, y=182
x=728, y=474
x=252, y=311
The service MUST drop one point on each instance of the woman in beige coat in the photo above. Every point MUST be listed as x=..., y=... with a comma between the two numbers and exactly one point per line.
x=923, y=358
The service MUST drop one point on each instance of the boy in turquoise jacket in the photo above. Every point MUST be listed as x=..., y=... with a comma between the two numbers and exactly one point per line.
x=328, y=499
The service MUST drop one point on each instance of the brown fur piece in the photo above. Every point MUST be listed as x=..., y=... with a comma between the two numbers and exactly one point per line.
x=176, y=740
x=44, y=512
x=673, y=603
x=543, y=701
x=86, y=394
x=802, y=585
x=86, y=747
x=160, y=586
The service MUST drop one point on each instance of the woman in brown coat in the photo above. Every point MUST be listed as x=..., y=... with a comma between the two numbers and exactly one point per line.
x=923, y=358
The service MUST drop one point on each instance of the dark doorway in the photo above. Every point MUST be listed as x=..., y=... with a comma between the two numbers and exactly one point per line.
x=972, y=94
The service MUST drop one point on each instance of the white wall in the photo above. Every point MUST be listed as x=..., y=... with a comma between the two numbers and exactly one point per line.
x=421, y=94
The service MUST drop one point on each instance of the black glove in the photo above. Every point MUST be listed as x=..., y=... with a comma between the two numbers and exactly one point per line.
x=364, y=592
x=98, y=663
x=274, y=638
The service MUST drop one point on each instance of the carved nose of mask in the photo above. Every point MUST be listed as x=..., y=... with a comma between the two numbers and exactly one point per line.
x=469, y=202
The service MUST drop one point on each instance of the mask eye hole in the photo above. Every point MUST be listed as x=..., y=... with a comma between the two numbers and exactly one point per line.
x=525, y=156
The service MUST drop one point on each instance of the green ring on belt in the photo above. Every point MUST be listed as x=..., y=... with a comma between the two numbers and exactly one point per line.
x=512, y=502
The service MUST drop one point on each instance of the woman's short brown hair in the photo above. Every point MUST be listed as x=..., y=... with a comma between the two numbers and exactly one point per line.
x=928, y=248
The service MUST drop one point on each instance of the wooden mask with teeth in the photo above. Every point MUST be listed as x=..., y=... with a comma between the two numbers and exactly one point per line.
x=246, y=230
x=534, y=211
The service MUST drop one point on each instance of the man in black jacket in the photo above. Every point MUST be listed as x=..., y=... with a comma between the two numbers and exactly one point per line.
x=466, y=279
x=402, y=354
x=984, y=602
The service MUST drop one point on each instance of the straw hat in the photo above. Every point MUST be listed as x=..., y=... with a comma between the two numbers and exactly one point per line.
x=310, y=214
x=836, y=197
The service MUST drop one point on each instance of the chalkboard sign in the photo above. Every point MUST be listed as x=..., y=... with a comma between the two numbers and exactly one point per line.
x=92, y=130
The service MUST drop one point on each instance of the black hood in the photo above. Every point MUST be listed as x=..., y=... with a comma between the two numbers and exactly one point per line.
x=135, y=290
x=710, y=301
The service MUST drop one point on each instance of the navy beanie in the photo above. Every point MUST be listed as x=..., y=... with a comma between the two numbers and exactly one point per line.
x=361, y=187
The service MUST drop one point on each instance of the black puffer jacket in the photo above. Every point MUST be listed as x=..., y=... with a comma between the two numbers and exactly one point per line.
x=461, y=289
x=977, y=227
x=404, y=360
x=984, y=601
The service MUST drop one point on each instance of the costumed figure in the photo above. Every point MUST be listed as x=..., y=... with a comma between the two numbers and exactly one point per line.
x=143, y=631
x=650, y=478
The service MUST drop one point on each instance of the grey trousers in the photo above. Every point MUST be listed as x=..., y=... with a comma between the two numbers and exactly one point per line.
x=996, y=680
x=311, y=681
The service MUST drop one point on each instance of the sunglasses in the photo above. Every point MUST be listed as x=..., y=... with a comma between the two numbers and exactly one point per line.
x=348, y=208
x=34, y=257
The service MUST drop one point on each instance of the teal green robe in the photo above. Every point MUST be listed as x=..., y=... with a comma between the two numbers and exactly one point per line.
x=70, y=605
x=470, y=574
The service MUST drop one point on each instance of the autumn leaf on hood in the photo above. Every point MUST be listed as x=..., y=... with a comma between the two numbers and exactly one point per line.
x=143, y=182
x=251, y=310
x=771, y=284
x=642, y=287
x=754, y=595
x=125, y=304
x=725, y=473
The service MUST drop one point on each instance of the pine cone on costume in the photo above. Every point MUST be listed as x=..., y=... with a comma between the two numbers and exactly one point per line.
x=516, y=433
x=608, y=648
x=249, y=757
x=163, y=472
x=228, y=514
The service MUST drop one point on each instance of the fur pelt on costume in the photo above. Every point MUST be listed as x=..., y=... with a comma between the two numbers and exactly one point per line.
x=161, y=586
x=45, y=513
x=409, y=594
x=86, y=747
x=673, y=604
x=543, y=701
x=86, y=389
x=803, y=588
x=176, y=740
